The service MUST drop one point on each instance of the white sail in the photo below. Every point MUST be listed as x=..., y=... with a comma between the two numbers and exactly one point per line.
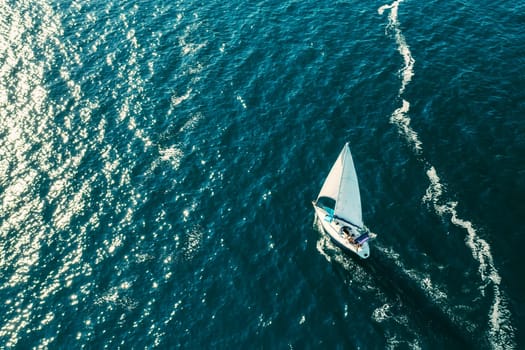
x=341, y=185
x=348, y=202
x=330, y=187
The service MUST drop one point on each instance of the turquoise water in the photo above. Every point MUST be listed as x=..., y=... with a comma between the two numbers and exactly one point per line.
x=158, y=160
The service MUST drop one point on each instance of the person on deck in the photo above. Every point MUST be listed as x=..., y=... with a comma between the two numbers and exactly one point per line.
x=347, y=235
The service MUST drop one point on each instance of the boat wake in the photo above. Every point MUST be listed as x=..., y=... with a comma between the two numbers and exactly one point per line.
x=397, y=288
x=501, y=331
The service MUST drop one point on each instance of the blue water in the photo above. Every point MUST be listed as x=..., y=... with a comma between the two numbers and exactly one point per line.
x=158, y=160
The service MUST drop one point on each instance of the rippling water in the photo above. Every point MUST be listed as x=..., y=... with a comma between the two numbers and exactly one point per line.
x=158, y=159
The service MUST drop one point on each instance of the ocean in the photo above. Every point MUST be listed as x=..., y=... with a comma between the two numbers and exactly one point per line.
x=158, y=160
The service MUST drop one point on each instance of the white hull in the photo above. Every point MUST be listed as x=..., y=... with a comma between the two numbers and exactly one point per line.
x=333, y=229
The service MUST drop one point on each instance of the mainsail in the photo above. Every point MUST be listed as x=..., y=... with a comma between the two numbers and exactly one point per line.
x=341, y=185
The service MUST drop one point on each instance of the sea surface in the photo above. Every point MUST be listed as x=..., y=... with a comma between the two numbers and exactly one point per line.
x=158, y=160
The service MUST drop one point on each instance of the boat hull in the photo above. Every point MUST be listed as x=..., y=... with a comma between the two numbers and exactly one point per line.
x=332, y=227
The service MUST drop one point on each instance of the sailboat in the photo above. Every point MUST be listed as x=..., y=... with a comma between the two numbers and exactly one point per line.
x=338, y=206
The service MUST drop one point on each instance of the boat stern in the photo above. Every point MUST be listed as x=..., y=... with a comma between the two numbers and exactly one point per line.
x=363, y=251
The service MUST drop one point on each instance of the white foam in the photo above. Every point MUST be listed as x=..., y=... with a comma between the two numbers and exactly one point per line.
x=479, y=247
x=500, y=328
x=400, y=116
x=381, y=313
x=303, y=319
x=177, y=100
x=434, y=292
x=241, y=100
x=402, y=121
x=407, y=72
x=324, y=240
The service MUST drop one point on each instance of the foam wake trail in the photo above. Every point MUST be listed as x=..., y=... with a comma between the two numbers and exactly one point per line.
x=500, y=327
x=399, y=287
x=501, y=330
